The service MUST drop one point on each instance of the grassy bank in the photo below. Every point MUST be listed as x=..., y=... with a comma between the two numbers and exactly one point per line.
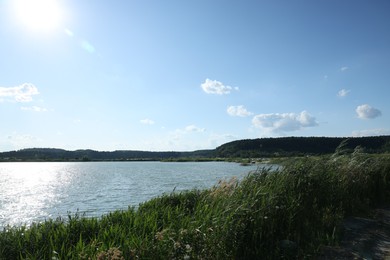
x=269, y=215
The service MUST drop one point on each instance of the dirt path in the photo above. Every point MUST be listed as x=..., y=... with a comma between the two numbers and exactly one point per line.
x=363, y=238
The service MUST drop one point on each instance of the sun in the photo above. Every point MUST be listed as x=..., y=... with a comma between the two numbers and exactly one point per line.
x=38, y=15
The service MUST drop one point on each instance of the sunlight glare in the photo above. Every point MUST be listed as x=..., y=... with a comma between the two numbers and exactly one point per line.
x=29, y=190
x=38, y=15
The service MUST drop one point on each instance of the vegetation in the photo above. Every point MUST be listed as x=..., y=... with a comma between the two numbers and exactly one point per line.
x=256, y=148
x=300, y=146
x=50, y=154
x=285, y=214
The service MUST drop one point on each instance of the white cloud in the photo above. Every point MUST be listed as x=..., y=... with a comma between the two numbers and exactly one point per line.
x=366, y=111
x=180, y=132
x=214, y=139
x=238, y=111
x=34, y=108
x=371, y=132
x=18, y=141
x=147, y=121
x=194, y=128
x=188, y=138
x=284, y=122
x=22, y=93
x=216, y=87
x=344, y=68
x=174, y=142
x=343, y=92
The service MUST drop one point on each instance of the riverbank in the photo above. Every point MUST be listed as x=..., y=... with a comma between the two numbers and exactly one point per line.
x=291, y=213
x=363, y=238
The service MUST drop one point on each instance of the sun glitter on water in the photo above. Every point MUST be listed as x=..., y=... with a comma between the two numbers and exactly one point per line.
x=38, y=15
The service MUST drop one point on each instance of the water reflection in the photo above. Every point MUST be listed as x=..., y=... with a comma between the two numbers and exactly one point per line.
x=29, y=190
x=37, y=191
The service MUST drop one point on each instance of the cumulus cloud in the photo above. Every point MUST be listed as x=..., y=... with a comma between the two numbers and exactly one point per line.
x=216, y=87
x=180, y=132
x=34, y=109
x=194, y=128
x=285, y=122
x=147, y=121
x=186, y=136
x=343, y=93
x=22, y=140
x=215, y=139
x=366, y=111
x=371, y=132
x=238, y=111
x=22, y=93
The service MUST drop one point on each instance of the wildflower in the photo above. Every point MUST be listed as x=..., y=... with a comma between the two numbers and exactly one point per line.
x=188, y=248
x=176, y=245
x=159, y=236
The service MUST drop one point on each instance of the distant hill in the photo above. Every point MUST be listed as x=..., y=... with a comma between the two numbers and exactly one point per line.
x=50, y=154
x=250, y=148
x=298, y=146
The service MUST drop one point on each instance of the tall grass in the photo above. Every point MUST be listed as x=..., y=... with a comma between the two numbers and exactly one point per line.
x=285, y=214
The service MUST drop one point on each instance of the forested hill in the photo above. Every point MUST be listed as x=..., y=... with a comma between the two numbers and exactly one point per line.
x=296, y=146
x=254, y=148
x=50, y=154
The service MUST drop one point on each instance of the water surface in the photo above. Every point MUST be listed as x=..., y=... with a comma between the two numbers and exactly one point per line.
x=36, y=191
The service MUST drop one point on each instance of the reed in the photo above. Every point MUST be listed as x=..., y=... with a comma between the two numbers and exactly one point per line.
x=287, y=213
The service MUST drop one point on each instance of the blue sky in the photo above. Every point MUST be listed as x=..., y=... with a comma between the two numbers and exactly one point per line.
x=188, y=75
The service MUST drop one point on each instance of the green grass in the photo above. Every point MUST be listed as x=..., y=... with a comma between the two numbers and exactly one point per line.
x=287, y=214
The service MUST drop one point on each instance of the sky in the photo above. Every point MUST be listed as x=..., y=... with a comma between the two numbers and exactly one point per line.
x=178, y=75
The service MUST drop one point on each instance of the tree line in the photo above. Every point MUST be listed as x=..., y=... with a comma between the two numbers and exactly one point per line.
x=248, y=148
x=301, y=146
x=51, y=154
